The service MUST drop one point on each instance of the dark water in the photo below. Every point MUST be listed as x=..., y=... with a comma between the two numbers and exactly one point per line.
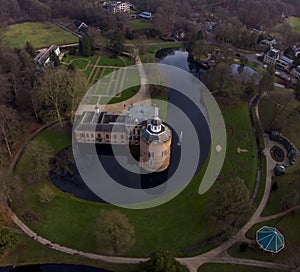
x=73, y=183
x=52, y=268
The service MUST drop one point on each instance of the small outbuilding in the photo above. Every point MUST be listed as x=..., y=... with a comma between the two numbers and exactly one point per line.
x=270, y=239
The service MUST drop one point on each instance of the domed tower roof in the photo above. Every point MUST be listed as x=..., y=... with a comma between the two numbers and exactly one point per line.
x=156, y=130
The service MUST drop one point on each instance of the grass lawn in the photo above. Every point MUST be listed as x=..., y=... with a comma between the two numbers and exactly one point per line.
x=28, y=251
x=39, y=34
x=80, y=63
x=139, y=24
x=77, y=59
x=240, y=135
x=88, y=71
x=125, y=95
x=92, y=100
x=175, y=226
x=231, y=267
x=107, y=61
x=128, y=61
x=295, y=24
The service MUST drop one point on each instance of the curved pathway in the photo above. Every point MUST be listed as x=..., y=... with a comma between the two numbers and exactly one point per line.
x=216, y=255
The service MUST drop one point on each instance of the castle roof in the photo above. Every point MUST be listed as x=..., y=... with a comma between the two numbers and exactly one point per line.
x=162, y=137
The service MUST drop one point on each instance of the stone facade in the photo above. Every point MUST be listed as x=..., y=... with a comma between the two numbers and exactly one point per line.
x=140, y=127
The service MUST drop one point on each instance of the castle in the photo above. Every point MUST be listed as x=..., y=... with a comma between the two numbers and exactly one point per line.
x=140, y=128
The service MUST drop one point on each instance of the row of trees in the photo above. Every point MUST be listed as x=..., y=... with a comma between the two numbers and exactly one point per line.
x=55, y=94
x=16, y=79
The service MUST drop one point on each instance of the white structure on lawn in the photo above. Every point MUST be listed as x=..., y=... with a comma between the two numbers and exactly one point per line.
x=43, y=58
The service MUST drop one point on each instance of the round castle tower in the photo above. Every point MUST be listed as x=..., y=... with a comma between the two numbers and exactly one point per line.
x=155, y=145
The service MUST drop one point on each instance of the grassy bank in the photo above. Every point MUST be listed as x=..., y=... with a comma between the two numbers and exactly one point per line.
x=38, y=34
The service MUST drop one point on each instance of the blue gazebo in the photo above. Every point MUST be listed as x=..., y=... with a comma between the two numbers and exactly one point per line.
x=270, y=239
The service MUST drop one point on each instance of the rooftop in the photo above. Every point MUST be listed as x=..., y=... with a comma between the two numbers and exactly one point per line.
x=270, y=239
x=44, y=55
x=286, y=59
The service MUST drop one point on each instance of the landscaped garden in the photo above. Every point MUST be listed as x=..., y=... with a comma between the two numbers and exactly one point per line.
x=295, y=23
x=97, y=66
x=37, y=33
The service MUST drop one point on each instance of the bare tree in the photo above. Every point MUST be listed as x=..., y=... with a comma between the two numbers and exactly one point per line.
x=115, y=235
x=57, y=94
x=10, y=127
x=39, y=155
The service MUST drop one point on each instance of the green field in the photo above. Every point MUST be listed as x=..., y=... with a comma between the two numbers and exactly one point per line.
x=38, y=34
x=240, y=135
x=107, y=61
x=295, y=23
x=139, y=24
x=176, y=225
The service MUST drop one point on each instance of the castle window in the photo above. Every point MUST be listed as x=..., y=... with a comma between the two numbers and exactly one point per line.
x=82, y=135
x=151, y=163
x=87, y=135
x=151, y=154
x=107, y=136
x=164, y=153
x=92, y=135
x=115, y=136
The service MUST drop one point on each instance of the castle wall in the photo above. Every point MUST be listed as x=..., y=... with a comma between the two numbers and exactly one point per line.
x=155, y=156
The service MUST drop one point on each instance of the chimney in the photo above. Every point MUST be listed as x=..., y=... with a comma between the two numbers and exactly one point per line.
x=97, y=110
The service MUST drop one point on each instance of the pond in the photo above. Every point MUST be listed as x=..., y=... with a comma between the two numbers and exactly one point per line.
x=245, y=73
x=67, y=178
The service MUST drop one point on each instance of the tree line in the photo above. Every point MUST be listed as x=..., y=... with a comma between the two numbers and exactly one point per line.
x=169, y=15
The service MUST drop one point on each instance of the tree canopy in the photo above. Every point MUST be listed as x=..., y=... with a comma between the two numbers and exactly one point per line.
x=57, y=94
x=161, y=261
x=229, y=203
x=114, y=233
